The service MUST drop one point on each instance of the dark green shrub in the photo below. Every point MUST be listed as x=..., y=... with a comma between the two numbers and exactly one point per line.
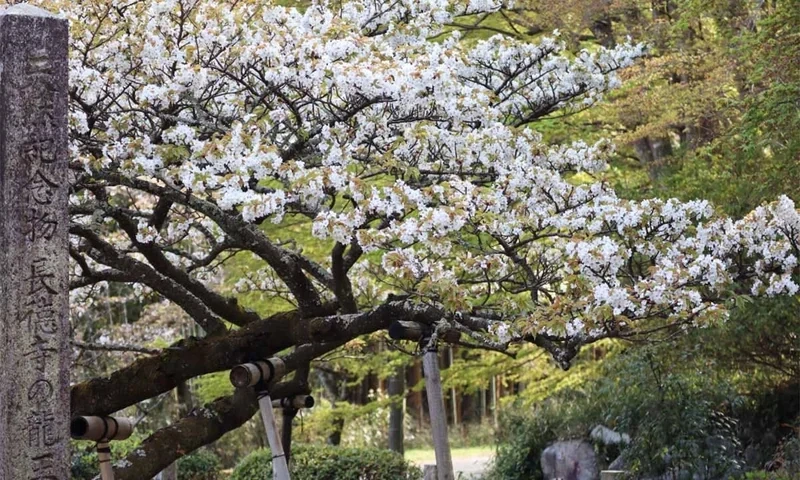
x=312, y=462
x=680, y=419
x=199, y=465
x=84, y=464
x=523, y=435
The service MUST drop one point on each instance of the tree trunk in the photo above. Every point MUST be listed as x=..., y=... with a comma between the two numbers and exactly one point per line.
x=396, y=389
x=453, y=393
x=332, y=385
x=493, y=402
x=603, y=31
x=651, y=152
x=286, y=431
x=415, y=402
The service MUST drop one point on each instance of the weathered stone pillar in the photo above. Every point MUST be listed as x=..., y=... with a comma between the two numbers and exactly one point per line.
x=34, y=300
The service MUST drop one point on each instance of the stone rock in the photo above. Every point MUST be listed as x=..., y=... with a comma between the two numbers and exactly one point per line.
x=618, y=464
x=606, y=436
x=570, y=460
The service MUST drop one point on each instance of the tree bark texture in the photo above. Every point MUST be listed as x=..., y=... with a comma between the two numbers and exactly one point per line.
x=396, y=389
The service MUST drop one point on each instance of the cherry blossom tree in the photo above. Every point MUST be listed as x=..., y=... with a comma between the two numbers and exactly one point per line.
x=203, y=131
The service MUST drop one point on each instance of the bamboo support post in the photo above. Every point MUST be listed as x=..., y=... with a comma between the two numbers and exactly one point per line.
x=403, y=330
x=280, y=469
x=441, y=444
x=104, y=458
x=261, y=374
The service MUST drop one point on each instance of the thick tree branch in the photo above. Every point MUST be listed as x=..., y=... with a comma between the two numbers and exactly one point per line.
x=203, y=426
x=281, y=260
x=227, y=308
x=103, y=252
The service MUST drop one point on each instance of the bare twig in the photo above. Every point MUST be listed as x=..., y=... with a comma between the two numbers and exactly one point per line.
x=115, y=347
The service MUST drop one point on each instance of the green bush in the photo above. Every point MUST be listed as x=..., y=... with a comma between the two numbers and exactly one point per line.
x=680, y=419
x=312, y=462
x=84, y=464
x=524, y=434
x=199, y=465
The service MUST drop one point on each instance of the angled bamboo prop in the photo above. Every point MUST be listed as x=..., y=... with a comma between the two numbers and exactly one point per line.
x=102, y=430
x=414, y=331
x=433, y=387
x=262, y=375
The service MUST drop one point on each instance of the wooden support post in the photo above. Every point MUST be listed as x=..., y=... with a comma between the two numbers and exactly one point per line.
x=441, y=444
x=290, y=406
x=102, y=430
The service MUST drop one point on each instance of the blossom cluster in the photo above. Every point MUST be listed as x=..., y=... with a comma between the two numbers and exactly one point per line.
x=416, y=156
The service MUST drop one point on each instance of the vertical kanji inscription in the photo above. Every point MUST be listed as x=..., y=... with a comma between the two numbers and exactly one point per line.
x=34, y=301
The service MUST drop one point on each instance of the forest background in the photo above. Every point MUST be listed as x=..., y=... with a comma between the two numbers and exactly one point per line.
x=713, y=112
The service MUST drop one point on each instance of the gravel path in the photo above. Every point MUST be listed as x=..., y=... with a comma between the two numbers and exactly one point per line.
x=465, y=467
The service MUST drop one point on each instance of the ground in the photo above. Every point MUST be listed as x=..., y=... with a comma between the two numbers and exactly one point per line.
x=468, y=463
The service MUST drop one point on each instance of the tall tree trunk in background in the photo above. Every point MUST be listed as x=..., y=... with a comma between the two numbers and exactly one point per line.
x=651, y=152
x=603, y=30
x=493, y=404
x=334, y=387
x=185, y=404
x=415, y=402
x=482, y=408
x=335, y=437
x=287, y=418
x=396, y=389
x=453, y=393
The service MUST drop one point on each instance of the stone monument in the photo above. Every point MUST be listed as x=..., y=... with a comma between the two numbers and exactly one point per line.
x=34, y=262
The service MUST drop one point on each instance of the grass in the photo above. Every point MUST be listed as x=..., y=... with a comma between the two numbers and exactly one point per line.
x=420, y=456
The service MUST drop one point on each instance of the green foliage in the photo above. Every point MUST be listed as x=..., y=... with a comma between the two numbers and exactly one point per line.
x=523, y=434
x=199, y=465
x=786, y=463
x=212, y=386
x=84, y=464
x=677, y=410
x=756, y=157
x=465, y=436
x=364, y=425
x=310, y=462
x=238, y=443
x=681, y=420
